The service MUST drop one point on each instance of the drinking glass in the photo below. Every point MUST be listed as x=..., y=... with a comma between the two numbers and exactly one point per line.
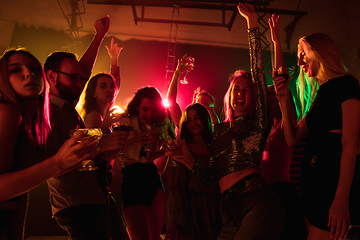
x=174, y=146
x=282, y=72
x=118, y=126
x=189, y=65
x=150, y=146
x=88, y=164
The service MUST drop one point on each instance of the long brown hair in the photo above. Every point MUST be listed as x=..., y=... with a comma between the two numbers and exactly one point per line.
x=37, y=127
x=87, y=101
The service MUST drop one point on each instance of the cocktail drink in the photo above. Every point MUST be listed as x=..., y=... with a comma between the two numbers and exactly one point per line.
x=280, y=72
x=189, y=65
x=150, y=146
x=175, y=147
x=87, y=164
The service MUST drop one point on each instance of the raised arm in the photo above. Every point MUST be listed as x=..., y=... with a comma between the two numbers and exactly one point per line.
x=175, y=111
x=293, y=134
x=87, y=61
x=275, y=30
x=114, y=53
x=262, y=116
x=279, y=65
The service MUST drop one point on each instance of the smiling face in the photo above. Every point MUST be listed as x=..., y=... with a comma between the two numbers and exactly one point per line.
x=105, y=90
x=306, y=60
x=146, y=111
x=25, y=76
x=241, y=97
x=194, y=123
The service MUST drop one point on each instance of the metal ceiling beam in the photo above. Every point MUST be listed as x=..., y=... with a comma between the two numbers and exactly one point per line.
x=260, y=7
x=204, y=4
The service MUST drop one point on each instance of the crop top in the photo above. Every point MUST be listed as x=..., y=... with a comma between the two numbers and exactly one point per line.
x=325, y=113
x=239, y=145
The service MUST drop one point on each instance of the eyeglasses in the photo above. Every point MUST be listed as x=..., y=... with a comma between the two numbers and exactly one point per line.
x=74, y=77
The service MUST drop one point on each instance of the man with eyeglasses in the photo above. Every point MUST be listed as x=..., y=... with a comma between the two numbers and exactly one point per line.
x=80, y=200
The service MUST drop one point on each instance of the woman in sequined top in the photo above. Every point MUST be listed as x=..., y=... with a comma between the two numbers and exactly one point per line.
x=249, y=208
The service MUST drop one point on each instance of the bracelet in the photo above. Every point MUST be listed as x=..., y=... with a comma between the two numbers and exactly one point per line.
x=282, y=95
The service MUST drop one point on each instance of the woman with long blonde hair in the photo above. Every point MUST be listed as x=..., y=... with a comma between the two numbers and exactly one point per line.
x=330, y=173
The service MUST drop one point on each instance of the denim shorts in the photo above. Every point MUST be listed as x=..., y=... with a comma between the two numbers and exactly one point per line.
x=250, y=210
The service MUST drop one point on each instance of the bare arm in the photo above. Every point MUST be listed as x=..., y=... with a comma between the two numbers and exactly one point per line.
x=87, y=61
x=172, y=91
x=275, y=31
x=339, y=216
x=280, y=63
x=114, y=53
x=16, y=183
x=293, y=133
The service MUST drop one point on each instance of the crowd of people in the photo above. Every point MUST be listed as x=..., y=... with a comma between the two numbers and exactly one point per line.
x=200, y=177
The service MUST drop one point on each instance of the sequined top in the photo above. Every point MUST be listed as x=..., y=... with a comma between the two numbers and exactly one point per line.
x=239, y=145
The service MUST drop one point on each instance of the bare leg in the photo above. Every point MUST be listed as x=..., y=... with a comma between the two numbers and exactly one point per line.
x=136, y=219
x=315, y=233
x=155, y=216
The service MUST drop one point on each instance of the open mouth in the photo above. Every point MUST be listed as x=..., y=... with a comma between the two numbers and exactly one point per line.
x=239, y=102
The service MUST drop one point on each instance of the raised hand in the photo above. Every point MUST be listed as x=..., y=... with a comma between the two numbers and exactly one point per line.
x=196, y=92
x=247, y=11
x=102, y=26
x=181, y=67
x=114, y=49
x=274, y=27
